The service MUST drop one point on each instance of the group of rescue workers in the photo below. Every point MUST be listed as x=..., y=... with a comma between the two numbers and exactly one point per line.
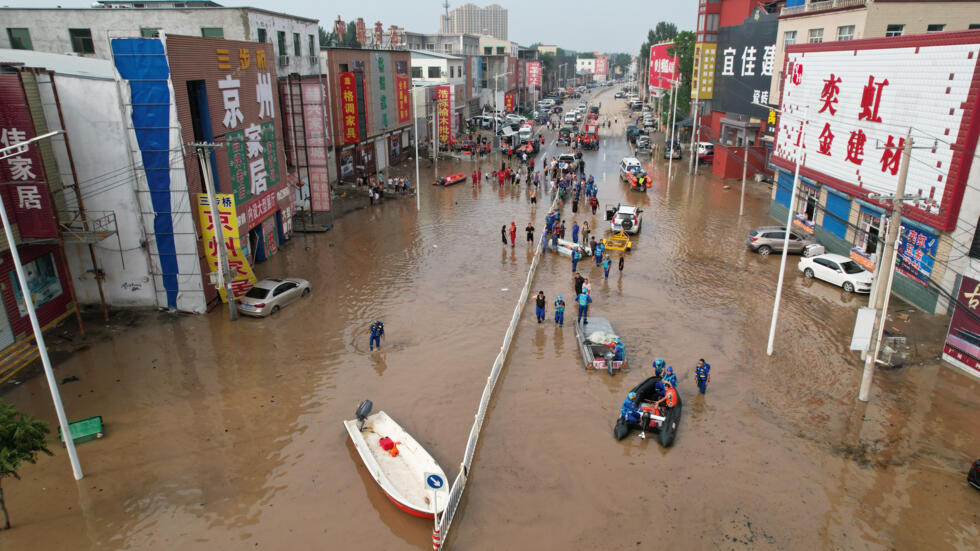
x=665, y=388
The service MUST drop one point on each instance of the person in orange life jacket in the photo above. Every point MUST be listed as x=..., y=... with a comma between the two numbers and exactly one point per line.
x=513, y=233
x=670, y=396
x=539, y=302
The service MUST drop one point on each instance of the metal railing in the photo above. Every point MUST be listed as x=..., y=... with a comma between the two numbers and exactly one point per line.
x=443, y=522
x=822, y=5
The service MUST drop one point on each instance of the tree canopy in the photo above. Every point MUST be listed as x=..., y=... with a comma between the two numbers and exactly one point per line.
x=21, y=438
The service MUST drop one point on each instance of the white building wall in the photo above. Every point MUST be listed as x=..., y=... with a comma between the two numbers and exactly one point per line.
x=304, y=64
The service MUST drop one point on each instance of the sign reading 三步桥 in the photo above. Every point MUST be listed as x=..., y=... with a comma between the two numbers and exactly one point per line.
x=241, y=274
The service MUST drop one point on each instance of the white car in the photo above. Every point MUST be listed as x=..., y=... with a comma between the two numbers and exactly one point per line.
x=269, y=295
x=627, y=218
x=511, y=118
x=570, y=118
x=837, y=270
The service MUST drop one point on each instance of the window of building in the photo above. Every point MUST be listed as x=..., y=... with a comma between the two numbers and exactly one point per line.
x=487, y=50
x=974, y=26
x=312, y=45
x=296, y=48
x=448, y=48
x=430, y=46
x=416, y=72
x=867, y=238
x=150, y=32
x=500, y=50
x=711, y=23
x=894, y=30
x=81, y=41
x=789, y=38
x=212, y=32
x=343, y=67
x=935, y=28
x=20, y=39
x=845, y=33
x=815, y=36
x=281, y=39
x=434, y=72
x=260, y=35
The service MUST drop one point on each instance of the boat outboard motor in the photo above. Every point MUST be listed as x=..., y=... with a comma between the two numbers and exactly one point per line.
x=362, y=411
x=609, y=360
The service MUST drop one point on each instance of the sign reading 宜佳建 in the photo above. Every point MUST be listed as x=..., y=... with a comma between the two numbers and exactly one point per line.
x=509, y=103
x=403, y=86
x=348, y=108
x=442, y=109
x=242, y=277
x=746, y=59
x=863, y=99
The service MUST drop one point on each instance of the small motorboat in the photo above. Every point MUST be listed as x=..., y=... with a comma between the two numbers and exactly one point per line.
x=566, y=247
x=452, y=179
x=595, y=342
x=396, y=461
x=661, y=419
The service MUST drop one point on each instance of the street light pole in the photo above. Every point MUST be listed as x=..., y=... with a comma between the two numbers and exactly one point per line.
x=418, y=181
x=673, y=130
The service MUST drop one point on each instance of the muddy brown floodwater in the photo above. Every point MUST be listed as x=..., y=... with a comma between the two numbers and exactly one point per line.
x=225, y=435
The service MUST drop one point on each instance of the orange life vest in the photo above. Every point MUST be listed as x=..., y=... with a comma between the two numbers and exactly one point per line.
x=671, y=396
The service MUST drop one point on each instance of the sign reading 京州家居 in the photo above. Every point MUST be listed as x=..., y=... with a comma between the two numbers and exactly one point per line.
x=242, y=277
x=863, y=96
x=746, y=58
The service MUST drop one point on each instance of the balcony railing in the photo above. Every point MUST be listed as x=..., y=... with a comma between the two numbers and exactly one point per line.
x=823, y=5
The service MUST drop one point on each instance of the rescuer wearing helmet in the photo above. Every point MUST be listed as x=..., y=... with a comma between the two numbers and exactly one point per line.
x=629, y=411
x=658, y=367
x=377, y=331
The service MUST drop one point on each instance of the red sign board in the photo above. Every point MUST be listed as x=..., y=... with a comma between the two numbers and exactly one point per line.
x=962, y=347
x=601, y=65
x=348, y=108
x=663, y=67
x=509, y=103
x=403, y=87
x=442, y=110
x=534, y=73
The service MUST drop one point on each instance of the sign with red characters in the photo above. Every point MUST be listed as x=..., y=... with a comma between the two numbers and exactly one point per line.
x=509, y=103
x=403, y=89
x=442, y=110
x=348, y=108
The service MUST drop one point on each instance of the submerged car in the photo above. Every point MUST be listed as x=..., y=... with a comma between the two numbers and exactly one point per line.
x=837, y=270
x=766, y=239
x=269, y=295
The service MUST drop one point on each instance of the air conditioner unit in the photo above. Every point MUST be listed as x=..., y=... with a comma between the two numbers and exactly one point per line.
x=283, y=60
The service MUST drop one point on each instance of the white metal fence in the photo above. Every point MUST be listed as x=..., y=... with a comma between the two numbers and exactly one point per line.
x=443, y=522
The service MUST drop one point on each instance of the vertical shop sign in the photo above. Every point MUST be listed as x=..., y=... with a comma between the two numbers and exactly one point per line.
x=962, y=347
x=509, y=103
x=442, y=109
x=316, y=144
x=240, y=271
x=404, y=98
x=348, y=106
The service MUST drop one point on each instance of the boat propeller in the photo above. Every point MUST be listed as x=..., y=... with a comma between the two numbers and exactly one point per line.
x=362, y=411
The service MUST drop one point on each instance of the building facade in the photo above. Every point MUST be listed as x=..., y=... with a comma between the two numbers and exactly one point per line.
x=472, y=19
x=451, y=44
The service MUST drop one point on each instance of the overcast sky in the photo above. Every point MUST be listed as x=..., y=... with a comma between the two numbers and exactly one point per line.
x=603, y=25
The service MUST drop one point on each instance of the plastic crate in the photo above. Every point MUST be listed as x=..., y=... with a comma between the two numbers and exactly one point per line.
x=84, y=430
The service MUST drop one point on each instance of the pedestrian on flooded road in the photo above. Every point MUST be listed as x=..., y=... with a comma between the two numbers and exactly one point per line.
x=599, y=248
x=539, y=302
x=702, y=374
x=585, y=232
x=583, y=307
x=534, y=196
x=530, y=232
x=594, y=203
x=587, y=287
x=513, y=233
x=576, y=256
x=622, y=262
x=561, y=230
x=377, y=331
x=605, y=266
x=560, y=311
x=575, y=229
x=579, y=281
x=575, y=203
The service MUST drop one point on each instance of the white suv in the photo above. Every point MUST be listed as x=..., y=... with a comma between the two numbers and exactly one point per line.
x=627, y=219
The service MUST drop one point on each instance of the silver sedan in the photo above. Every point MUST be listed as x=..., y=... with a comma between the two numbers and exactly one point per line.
x=269, y=295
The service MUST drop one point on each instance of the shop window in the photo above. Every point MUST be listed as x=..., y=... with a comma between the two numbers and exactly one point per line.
x=150, y=32
x=312, y=45
x=815, y=36
x=935, y=28
x=894, y=30
x=212, y=32
x=20, y=39
x=434, y=72
x=81, y=41
x=808, y=203
x=416, y=72
x=867, y=238
x=281, y=40
x=260, y=35
x=42, y=281
x=789, y=38
x=845, y=32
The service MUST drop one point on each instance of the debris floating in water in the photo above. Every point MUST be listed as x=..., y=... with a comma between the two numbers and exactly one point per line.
x=505, y=289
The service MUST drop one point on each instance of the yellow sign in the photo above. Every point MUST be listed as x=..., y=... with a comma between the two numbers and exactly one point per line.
x=241, y=274
x=703, y=77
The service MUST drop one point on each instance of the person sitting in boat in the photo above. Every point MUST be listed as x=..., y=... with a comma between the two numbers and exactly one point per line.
x=630, y=412
x=670, y=377
x=619, y=350
x=670, y=396
x=658, y=367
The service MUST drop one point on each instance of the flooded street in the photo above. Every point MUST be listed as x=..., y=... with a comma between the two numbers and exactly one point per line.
x=224, y=435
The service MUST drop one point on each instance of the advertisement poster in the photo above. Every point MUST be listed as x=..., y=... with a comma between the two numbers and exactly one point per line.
x=242, y=277
x=962, y=347
x=663, y=67
x=509, y=103
x=534, y=73
x=347, y=164
x=703, y=79
x=916, y=251
x=746, y=60
x=404, y=90
x=442, y=110
x=348, y=108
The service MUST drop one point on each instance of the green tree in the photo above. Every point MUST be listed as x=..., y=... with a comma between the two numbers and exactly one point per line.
x=21, y=438
x=683, y=48
x=663, y=32
x=350, y=37
x=324, y=36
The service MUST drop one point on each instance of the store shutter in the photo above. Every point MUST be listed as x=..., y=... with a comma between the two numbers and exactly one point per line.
x=835, y=217
x=784, y=188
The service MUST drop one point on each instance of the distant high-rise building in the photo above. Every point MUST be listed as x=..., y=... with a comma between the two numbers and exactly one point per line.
x=472, y=19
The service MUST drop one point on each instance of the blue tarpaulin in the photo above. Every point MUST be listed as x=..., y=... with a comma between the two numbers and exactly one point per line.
x=143, y=63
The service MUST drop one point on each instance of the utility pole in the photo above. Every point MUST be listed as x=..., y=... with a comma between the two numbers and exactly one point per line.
x=669, y=146
x=224, y=272
x=882, y=294
x=695, y=145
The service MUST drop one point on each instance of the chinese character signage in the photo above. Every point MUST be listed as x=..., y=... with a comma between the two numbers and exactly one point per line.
x=317, y=141
x=240, y=271
x=745, y=64
x=404, y=92
x=383, y=92
x=601, y=66
x=30, y=205
x=534, y=73
x=863, y=97
x=916, y=250
x=348, y=108
x=442, y=111
x=962, y=347
x=509, y=103
x=663, y=67
x=703, y=78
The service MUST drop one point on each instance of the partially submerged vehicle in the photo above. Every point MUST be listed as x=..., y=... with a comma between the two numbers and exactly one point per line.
x=660, y=419
x=596, y=341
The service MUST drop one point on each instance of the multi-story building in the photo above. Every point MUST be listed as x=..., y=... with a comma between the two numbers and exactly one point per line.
x=452, y=44
x=547, y=49
x=472, y=19
x=585, y=65
x=87, y=31
x=432, y=70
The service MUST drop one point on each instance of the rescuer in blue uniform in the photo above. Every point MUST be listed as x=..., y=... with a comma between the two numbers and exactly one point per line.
x=670, y=377
x=658, y=367
x=629, y=411
x=583, y=307
x=702, y=374
x=619, y=351
x=377, y=331
x=576, y=256
x=560, y=311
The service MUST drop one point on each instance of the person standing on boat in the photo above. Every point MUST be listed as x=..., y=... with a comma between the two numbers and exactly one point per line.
x=671, y=377
x=377, y=331
x=539, y=303
x=702, y=374
x=560, y=311
x=583, y=307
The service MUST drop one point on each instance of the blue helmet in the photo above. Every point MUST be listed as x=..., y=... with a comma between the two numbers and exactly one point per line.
x=670, y=369
x=659, y=362
x=559, y=297
x=631, y=396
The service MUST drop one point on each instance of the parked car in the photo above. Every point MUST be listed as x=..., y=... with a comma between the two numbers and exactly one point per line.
x=624, y=218
x=643, y=144
x=837, y=270
x=766, y=239
x=672, y=150
x=706, y=153
x=567, y=162
x=619, y=95
x=269, y=295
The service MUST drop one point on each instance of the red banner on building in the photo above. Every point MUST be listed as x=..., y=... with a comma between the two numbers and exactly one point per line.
x=509, y=103
x=403, y=87
x=348, y=108
x=534, y=73
x=442, y=110
x=962, y=347
x=663, y=67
